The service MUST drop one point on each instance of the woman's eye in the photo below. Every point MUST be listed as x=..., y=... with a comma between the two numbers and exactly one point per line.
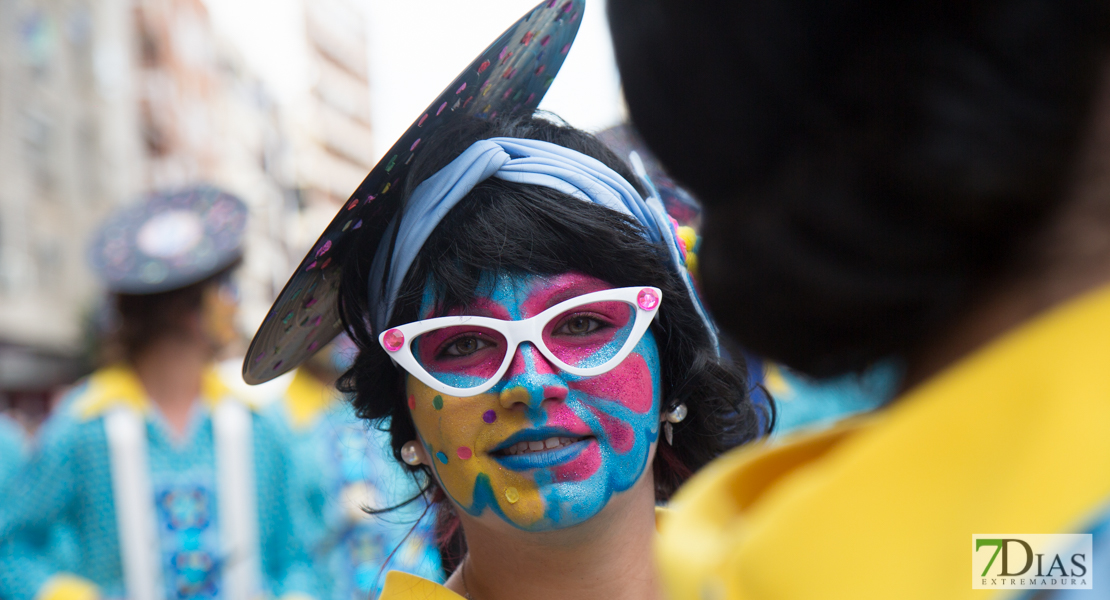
x=464, y=346
x=579, y=325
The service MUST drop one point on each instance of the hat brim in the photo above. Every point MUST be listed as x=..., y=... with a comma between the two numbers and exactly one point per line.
x=511, y=75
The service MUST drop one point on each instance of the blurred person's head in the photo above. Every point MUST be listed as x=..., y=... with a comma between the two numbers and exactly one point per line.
x=201, y=315
x=874, y=171
x=167, y=262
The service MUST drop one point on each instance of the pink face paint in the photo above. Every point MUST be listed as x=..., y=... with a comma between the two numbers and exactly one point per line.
x=619, y=434
x=555, y=392
x=557, y=289
x=629, y=384
x=562, y=416
x=581, y=468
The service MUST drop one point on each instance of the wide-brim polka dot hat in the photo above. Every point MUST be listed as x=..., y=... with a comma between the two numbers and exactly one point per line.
x=511, y=75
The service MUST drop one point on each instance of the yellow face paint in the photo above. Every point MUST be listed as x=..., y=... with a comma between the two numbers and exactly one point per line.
x=459, y=436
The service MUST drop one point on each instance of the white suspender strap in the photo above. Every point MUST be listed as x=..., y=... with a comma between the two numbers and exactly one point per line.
x=238, y=505
x=133, y=498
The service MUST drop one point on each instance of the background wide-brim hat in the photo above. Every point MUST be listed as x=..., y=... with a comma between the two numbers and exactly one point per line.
x=169, y=240
x=510, y=76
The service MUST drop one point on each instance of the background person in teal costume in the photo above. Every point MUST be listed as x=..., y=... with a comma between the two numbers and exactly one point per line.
x=802, y=402
x=341, y=466
x=150, y=461
x=15, y=446
x=13, y=449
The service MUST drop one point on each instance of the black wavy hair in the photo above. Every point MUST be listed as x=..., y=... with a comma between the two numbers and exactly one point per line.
x=867, y=167
x=511, y=227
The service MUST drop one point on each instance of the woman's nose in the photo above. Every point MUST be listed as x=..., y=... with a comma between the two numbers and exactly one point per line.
x=531, y=379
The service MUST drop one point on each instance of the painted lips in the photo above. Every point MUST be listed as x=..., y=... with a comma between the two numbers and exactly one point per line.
x=540, y=452
x=550, y=443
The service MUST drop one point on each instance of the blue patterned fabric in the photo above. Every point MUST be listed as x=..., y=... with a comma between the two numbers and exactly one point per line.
x=804, y=403
x=13, y=449
x=67, y=484
x=341, y=466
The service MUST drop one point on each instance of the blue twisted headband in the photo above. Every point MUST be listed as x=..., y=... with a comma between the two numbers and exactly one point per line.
x=531, y=162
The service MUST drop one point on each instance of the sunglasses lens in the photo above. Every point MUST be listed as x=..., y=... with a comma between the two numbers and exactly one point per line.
x=590, y=335
x=462, y=356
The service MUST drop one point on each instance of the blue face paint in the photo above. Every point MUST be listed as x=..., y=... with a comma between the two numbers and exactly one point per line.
x=596, y=433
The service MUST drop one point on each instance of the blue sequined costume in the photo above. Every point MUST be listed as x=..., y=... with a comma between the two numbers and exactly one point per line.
x=13, y=449
x=68, y=482
x=804, y=403
x=342, y=465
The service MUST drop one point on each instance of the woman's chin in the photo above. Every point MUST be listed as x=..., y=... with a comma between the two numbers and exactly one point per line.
x=582, y=479
x=568, y=504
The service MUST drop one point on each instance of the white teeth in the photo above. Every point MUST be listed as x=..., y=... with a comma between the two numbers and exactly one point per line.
x=551, y=443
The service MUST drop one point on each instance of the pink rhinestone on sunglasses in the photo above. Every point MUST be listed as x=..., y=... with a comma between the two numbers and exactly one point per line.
x=647, y=299
x=394, y=339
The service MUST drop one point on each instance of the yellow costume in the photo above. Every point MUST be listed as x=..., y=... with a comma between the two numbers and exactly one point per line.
x=1013, y=439
x=403, y=586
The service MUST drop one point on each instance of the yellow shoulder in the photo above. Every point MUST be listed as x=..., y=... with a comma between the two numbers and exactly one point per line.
x=108, y=388
x=405, y=586
x=306, y=399
x=213, y=389
x=118, y=386
x=68, y=587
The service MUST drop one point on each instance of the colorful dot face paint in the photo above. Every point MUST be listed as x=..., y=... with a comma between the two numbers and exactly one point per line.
x=542, y=449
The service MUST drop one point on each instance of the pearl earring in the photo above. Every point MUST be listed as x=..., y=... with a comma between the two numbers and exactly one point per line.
x=409, y=455
x=676, y=415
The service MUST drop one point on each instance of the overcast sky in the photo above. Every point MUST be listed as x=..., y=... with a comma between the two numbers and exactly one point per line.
x=416, y=47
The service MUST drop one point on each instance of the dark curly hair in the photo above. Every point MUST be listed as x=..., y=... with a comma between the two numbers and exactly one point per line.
x=511, y=227
x=868, y=167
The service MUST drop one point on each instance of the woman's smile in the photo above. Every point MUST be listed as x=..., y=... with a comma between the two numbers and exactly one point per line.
x=540, y=448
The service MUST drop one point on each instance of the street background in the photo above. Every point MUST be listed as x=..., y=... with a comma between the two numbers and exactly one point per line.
x=285, y=103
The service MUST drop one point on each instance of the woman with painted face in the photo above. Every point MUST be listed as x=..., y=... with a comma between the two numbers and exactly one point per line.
x=539, y=358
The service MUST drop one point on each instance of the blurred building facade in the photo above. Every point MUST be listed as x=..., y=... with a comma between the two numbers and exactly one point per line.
x=340, y=151
x=68, y=146
x=102, y=101
x=331, y=144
